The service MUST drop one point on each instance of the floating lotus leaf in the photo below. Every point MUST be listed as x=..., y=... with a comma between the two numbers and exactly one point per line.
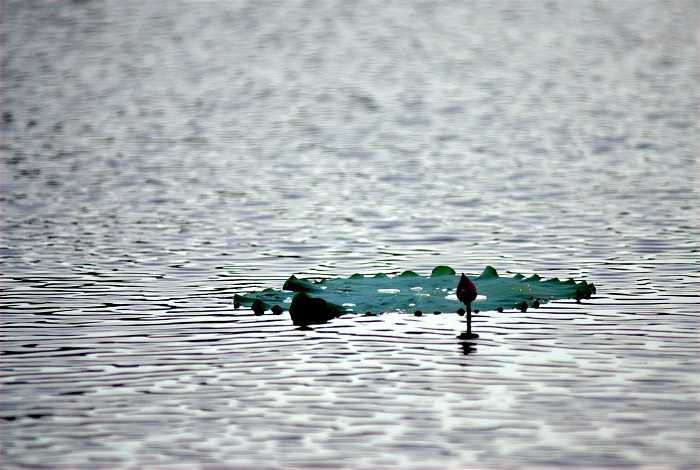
x=311, y=301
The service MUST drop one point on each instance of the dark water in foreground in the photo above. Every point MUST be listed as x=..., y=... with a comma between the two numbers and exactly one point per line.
x=160, y=156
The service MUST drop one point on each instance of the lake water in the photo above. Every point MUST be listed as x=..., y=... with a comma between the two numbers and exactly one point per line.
x=158, y=157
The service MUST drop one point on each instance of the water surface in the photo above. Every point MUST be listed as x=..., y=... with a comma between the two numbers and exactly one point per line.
x=158, y=157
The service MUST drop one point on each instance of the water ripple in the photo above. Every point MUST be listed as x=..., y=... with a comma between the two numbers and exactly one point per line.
x=159, y=157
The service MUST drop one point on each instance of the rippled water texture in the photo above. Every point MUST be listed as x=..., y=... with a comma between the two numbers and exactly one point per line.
x=158, y=157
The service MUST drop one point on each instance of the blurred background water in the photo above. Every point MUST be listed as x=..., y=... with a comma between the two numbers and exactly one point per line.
x=158, y=157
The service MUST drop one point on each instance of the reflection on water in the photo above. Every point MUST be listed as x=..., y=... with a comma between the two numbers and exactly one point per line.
x=467, y=348
x=158, y=157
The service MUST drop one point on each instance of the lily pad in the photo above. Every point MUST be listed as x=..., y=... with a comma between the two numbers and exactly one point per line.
x=310, y=301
